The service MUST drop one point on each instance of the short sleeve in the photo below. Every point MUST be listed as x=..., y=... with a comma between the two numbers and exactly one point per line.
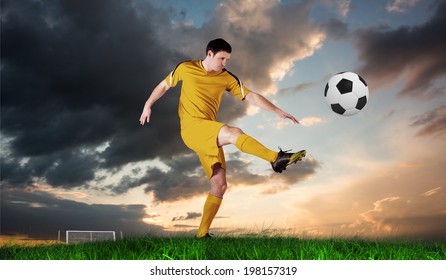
x=175, y=76
x=237, y=88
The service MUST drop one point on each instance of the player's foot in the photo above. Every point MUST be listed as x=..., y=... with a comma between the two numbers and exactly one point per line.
x=206, y=236
x=284, y=159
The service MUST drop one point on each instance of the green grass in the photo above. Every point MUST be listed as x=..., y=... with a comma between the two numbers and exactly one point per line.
x=232, y=248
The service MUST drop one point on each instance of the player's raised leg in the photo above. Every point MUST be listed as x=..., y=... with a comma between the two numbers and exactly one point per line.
x=245, y=143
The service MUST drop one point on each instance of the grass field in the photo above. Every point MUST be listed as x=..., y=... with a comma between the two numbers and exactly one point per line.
x=229, y=248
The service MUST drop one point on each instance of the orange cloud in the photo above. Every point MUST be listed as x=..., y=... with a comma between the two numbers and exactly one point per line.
x=431, y=192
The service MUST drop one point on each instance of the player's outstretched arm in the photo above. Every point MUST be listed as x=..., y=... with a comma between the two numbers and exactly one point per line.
x=260, y=101
x=157, y=93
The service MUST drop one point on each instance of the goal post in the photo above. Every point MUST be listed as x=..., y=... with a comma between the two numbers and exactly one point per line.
x=78, y=236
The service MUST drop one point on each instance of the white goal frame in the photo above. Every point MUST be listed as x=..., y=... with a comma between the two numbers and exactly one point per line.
x=92, y=232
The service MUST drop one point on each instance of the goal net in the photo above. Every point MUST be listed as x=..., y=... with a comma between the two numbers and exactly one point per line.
x=78, y=236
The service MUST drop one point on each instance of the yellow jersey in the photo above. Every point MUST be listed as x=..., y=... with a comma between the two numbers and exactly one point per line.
x=201, y=92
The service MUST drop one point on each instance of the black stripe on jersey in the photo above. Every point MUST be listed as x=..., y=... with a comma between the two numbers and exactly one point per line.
x=239, y=83
x=173, y=72
x=235, y=77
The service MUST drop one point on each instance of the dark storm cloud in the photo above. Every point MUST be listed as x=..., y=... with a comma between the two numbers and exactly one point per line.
x=238, y=173
x=41, y=214
x=417, y=53
x=71, y=168
x=189, y=216
x=65, y=169
x=75, y=75
x=183, y=178
x=14, y=173
x=173, y=186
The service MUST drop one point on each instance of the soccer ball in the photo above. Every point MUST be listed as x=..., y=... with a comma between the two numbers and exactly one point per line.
x=346, y=93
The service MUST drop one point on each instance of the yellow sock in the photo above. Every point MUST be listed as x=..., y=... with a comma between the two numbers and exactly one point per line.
x=210, y=209
x=249, y=145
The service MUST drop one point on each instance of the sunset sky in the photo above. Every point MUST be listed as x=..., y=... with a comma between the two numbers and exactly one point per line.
x=75, y=76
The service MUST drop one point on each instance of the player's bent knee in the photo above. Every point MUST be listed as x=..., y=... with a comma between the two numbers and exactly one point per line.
x=234, y=133
x=228, y=135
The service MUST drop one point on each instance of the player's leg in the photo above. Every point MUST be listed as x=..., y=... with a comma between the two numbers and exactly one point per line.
x=245, y=143
x=213, y=200
x=218, y=181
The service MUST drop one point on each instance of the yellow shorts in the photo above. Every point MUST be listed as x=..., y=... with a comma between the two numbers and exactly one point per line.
x=200, y=136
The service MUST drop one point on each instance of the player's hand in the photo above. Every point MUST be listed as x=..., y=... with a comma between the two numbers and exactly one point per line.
x=145, y=116
x=285, y=115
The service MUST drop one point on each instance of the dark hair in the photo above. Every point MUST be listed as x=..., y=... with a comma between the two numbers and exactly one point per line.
x=218, y=45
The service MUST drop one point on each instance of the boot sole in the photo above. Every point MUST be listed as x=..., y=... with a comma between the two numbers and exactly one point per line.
x=297, y=157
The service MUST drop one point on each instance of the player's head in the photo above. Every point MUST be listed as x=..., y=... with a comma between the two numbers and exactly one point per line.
x=218, y=45
x=218, y=52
